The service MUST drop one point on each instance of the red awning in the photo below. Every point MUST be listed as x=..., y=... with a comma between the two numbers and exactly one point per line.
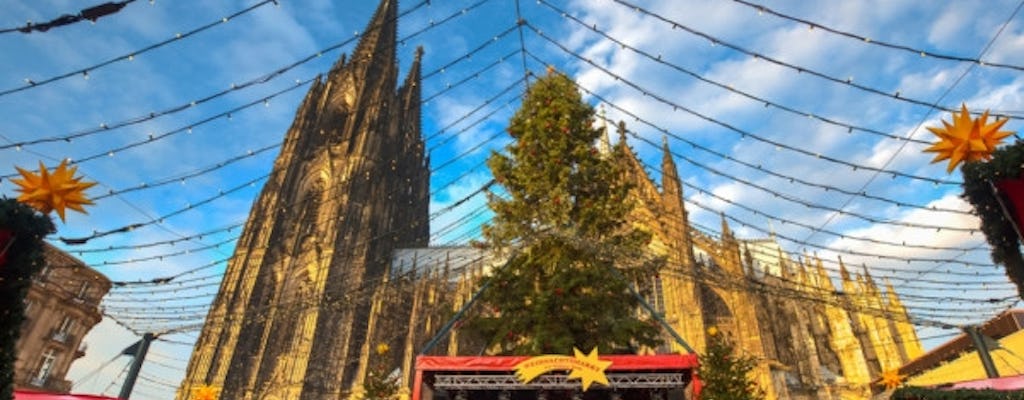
x=1003, y=383
x=28, y=395
x=507, y=363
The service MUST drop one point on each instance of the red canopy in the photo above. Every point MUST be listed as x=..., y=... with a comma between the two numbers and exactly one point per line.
x=29, y=395
x=429, y=365
x=507, y=363
x=1002, y=383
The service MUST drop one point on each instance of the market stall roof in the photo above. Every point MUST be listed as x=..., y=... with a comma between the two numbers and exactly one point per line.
x=672, y=372
x=30, y=395
x=507, y=363
x=1001, y=383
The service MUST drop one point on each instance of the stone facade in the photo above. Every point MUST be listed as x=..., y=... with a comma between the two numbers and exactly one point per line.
x=296, y=306
x=813, y=341
x=61, y=307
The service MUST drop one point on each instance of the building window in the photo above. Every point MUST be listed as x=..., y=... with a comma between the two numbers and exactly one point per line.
x=658, y=296
x=44, y=273
x=28, y=306
x=63, y=331
x=66, y=324
x=45, y=366
x=83, y=291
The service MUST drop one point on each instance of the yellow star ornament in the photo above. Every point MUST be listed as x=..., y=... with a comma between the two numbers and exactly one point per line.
x=589, y=369
x=966, y=139
x=205, y=392
x=892, y=379
x=57, y=190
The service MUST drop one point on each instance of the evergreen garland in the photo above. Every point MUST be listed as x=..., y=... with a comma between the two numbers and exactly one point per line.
x=918, y=393
x=724, y=374
x=566, y=211
x=24, y=257
x=979, y=177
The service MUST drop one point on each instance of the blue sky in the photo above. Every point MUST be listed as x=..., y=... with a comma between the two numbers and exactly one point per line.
x=777, y=124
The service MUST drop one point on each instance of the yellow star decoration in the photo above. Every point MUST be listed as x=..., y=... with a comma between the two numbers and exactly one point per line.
x=55, y=190
x=967, y=139
x=383, y=349
x=588, y=368
x=892, y=379
x=205, y=392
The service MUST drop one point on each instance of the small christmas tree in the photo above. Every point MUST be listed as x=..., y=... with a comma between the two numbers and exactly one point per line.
x=724, y=374
x=568, y=282
x=380, y=384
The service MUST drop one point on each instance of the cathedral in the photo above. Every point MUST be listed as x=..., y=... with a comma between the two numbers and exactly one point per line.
x=333, y=265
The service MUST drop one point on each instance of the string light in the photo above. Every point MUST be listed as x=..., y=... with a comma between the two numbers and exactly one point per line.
x=84, y=71
x=472, y=76
x=190, y=126
x=130, y=227
x=732, y=127
x=92, y=14
x=766, y=102
x=178, y=130
x=922, y=53
x=473, y=111
x=159, y=243
x=181, y=179
x=791, y=179
x=181, y=288
x=262, y=79
x=165, y=255
x=796, y=67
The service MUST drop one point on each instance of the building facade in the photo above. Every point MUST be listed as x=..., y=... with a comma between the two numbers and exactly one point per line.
x=294, y=317
x=61, y=307
x=333, y=263
x=813, y=339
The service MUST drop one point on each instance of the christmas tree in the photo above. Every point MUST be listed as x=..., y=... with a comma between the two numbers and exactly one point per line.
x=574, y=260
x=380, y=383
x=724, y=374
x=21, y=255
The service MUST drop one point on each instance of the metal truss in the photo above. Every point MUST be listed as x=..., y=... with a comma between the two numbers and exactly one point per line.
x=509, y=381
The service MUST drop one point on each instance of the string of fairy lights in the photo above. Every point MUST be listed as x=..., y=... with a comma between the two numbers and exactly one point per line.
x=259, y=80
x=812, y=25
x=958, y=299
x=211, y=294
x=84, y=72
x=800, y=69
x=778, y=194
x=657, y=58
x=86, y=14
x=743, y=133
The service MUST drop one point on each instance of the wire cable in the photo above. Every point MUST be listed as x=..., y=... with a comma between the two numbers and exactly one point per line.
x=92, y=14
x=797, y=68
x=864, y=39
x=30, y=83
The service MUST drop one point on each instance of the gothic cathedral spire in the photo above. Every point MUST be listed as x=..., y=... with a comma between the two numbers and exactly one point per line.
x=350, y=185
